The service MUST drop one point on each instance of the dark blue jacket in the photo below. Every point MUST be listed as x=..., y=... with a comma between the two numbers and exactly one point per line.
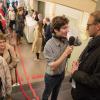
x=48, y=33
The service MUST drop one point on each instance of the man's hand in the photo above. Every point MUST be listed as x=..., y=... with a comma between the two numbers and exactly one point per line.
x=75, y=65
x=54, y=65
x=68, y=51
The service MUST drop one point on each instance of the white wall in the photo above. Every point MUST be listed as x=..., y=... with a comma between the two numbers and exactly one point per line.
x=27, y=4
x=98, y=5
x=34, y=4
x=49, y=9
x=78, y=19
x=31, y=4
x=74, y=16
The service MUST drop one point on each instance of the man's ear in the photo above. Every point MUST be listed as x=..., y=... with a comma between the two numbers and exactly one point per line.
x=98, y=27
x=56, y=31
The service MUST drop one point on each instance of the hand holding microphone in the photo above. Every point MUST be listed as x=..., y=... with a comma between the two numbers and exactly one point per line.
x=75, y=65
x=69, y=49
x=71, y=42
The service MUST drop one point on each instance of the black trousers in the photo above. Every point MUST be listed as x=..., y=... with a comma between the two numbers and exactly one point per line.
x=79, y=95
x=1, y=28
x=2, y=98
x=52, y=86
x=12, y=24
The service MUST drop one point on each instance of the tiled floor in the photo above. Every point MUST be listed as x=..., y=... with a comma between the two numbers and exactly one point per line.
x=28, y=66
x=36, y=69
x=64, y=94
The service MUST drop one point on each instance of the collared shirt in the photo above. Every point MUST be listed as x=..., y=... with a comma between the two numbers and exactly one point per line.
x=52, y=51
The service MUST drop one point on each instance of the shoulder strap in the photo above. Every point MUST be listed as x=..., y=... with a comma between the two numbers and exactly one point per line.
x=10, y=56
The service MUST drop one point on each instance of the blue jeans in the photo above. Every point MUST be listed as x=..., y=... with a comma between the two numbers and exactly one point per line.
x=52, y=85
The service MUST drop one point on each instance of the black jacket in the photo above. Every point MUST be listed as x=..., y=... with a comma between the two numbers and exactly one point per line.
x=48, y=33
x=87, y=77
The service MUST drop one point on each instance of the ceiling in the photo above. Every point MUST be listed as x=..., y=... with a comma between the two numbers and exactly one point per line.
x=95, y=1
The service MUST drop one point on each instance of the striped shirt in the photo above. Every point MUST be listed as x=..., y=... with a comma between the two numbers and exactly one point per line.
x=53, y=49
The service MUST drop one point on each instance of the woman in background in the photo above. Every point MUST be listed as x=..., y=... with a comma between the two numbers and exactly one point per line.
x=12, y=18
x=37, y=43
x=20, y=24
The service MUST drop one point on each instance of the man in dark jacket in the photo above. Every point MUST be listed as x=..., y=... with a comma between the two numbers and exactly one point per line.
x=86, y=72
x=47, y=29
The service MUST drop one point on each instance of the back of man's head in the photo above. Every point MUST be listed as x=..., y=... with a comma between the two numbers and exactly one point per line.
x=47, y=19
x=96, y=16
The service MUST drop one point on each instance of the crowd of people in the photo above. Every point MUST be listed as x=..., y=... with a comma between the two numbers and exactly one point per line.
x=11, y=31
x=12, y=23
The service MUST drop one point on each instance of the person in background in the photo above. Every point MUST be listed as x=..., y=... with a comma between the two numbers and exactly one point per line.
x=14, y=5
x=12, y=18
x=40, y=17
x=8, y=53
x=47, y=29
x=37, y=42
x=11, y=38
x=2, y=24
x=8, y=4
x=20, y=24
x=35, y=16
x=56, y=53
x=5, y=79
x=86, y=71
x=31, y=12
x=1, y=9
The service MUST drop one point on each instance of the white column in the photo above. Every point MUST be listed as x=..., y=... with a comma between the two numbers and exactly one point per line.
x=50, y=9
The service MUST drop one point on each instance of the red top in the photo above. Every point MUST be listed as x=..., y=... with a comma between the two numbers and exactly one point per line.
x=2, y=12
x=3, y=23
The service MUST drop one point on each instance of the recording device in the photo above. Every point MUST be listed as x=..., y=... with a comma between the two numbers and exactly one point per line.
x=74, y=41
x=71, y=42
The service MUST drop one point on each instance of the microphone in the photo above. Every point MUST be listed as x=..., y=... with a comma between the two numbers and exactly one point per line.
x=71, y=42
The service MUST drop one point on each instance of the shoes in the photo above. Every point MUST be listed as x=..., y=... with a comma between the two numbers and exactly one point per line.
x=16, y=84
x=35, y=59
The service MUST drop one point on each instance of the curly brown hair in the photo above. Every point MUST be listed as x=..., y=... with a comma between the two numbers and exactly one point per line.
x=58, y=22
